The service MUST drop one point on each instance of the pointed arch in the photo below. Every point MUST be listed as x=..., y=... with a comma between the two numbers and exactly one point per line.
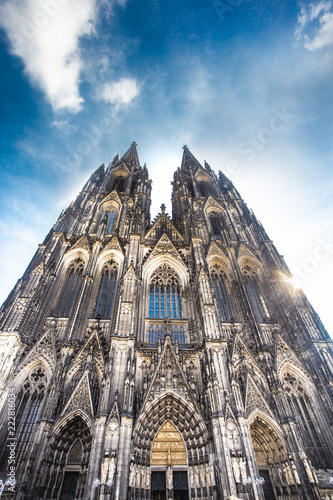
x=268, y=435
x=70, y=287
x=168, y=447
x=165, y=294
x=182, y=415
x=27, y=402
x=175, y=263
x=106, y=291
x=68, y=420
x=306, y=410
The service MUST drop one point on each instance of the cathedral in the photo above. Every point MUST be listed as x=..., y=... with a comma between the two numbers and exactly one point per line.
x=162, y=359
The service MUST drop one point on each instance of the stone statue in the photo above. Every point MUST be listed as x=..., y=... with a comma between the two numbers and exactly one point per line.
x=208, y=476
x=242, y=466
x=196, y=477
x=169, y=478
x=296, y=476
x=288, y=474
x=236, y=469
x=202, y=475
x=131, y=476
x=104, y=469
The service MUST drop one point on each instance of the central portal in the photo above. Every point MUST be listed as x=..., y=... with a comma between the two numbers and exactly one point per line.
x=169, y=465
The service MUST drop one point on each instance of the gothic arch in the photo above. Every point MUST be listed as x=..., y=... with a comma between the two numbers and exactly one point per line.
x=28, y=366
x=178, y=453
x=72, y=255
x=219, y=261
x=248, y=262
x=107, y=255
x=171, y=261
x=266, y=432
x=65, y=420
x=297, y=370
x=52, y=477
x=182, y=415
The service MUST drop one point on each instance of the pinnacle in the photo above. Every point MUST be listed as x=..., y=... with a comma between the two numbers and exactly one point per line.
x=131, y=157
x=189, y=161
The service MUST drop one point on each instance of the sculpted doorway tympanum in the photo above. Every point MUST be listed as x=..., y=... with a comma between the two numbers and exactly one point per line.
x=169, y=465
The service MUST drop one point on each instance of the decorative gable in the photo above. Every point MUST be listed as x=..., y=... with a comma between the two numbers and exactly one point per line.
x=169, y=378
x=165, y=246
x=81, y=398
x=254, y=399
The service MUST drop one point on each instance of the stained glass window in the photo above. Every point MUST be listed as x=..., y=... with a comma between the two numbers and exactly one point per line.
x=28, y=404
x=106, y=292
x=222, y=295
x=70, y=288
x=216, y=225
x=164, y=294
x=257, y=299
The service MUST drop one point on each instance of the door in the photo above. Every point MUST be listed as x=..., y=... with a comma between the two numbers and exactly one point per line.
x=180, y=485
x=267, y=486
x=158, y=485
x=69, y=485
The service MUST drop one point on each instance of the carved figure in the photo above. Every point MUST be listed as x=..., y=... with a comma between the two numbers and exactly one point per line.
x=236, y=469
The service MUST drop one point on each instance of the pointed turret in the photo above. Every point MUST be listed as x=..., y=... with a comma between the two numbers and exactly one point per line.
x=131, y=157
x=189, y=161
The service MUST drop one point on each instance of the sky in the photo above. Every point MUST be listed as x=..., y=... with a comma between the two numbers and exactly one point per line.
x=246, y=85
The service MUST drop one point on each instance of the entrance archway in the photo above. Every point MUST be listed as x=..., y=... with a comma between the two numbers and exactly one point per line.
x=271, y=457
x=169, y=465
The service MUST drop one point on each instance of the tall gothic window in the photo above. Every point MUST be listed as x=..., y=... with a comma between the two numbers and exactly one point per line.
x=222, y=295
x=164, y=294
x=305, y=417
x=109, y=216
x=119, y=184
x=204, y=188
x=70, y=288
x=216, y=224
x=106, y=292
x=28, y=404
x=255, y=295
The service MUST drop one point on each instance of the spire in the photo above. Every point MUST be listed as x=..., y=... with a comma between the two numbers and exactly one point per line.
x=131, y=157
x=189, y=161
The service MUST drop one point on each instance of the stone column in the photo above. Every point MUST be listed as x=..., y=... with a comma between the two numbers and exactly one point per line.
x=121, y=480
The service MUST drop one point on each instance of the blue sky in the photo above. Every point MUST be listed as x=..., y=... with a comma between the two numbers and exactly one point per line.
x=246, y=85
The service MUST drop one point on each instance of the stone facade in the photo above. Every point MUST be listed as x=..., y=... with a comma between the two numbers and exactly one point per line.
x=169, y=359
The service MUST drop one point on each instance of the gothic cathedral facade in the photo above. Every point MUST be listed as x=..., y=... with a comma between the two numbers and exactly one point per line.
x=158, y=360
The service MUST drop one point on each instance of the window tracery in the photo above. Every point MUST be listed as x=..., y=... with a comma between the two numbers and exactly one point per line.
x=109, y=217
x=216, y=224
x=222, y=294
x=106, y=292
x=255, y=295
x=119, y=184
x=28, y=405
x=70, y=288
x=303, y=412
x=164, y=294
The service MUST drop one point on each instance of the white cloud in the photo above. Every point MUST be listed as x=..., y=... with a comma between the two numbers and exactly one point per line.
x=122, y=92
x=318, y=18
x=46, y=36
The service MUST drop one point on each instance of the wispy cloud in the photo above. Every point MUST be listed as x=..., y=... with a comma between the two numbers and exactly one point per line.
x=120, y=93
x=46, y=36
x=316, y=18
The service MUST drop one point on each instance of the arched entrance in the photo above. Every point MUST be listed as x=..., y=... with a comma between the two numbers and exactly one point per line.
x=63, y=472
x=72, y=470
x=272, y=458
x=169, y=465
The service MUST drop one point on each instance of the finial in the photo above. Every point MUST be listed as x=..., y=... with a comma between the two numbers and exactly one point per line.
x=185, y=146
x=134, y=143
x=163, y=207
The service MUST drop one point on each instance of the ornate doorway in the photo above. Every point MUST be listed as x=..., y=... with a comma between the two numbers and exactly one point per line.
x=169, y=465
